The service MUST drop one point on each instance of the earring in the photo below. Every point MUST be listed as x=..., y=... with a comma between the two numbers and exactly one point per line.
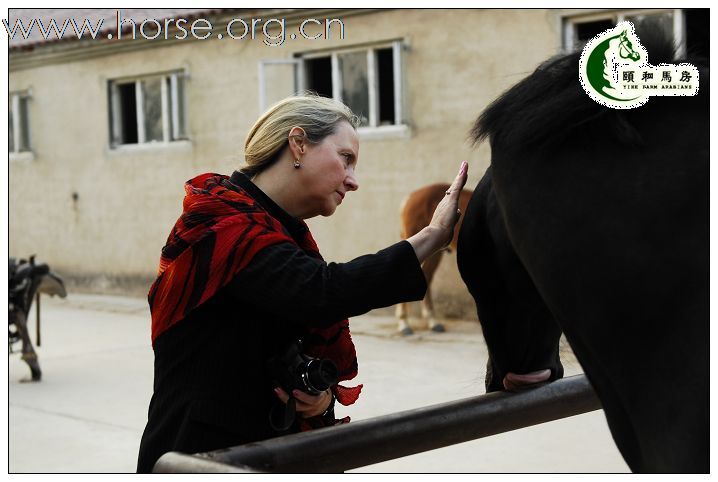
x=296, y=164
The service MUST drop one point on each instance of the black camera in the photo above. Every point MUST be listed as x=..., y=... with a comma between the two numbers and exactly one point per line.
x=295, y=370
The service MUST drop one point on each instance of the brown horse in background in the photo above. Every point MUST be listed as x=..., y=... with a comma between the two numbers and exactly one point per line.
x=416, y=212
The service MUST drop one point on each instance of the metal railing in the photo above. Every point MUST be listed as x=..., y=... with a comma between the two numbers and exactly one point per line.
x=366, y=442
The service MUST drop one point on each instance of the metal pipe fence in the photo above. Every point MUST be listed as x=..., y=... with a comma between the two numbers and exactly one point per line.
x=366, y=442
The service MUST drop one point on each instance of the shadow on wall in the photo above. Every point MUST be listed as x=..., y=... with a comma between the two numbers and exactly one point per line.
x=107, y=284
x=451, y=297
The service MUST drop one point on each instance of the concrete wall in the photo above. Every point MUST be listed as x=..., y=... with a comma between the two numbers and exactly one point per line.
x=456, y=62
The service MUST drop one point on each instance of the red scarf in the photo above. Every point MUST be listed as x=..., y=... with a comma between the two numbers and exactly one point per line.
x=219, y=232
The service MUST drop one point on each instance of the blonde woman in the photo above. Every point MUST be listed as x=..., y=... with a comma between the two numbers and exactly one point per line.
x=241, y=284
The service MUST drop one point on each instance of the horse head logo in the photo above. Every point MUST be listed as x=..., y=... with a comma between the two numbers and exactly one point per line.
x=626, y=48
x=600, y=61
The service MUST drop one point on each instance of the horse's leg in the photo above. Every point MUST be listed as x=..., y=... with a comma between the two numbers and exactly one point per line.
x=520, y=332
x=402, y=315
x=406, y=230
x=427, y=313
x=427, y=308
x=427, y=305
x=28, y=352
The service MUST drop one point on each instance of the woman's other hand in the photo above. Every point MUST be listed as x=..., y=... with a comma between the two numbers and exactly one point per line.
x=307, y=405
x=440, y=231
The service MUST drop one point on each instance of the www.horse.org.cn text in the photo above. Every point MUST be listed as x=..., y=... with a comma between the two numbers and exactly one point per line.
x=272, y=32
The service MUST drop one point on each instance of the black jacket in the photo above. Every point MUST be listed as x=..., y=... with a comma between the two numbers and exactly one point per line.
x=211, y=387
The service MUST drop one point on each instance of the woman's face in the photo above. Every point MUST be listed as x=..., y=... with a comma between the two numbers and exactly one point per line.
x=327, y=171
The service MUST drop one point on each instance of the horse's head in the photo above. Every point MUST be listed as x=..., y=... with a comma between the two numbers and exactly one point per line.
x=626, y=49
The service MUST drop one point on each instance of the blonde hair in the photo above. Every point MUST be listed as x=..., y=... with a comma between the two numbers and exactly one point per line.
x=318, y=116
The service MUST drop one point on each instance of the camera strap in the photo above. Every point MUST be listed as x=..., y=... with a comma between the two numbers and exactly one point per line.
x=282, y=415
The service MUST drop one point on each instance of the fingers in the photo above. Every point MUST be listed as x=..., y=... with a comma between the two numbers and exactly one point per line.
x=448, y=208
x=311, y=405
x=307, y=405
x=281, y=394
x=454, y=191
x=459, y=181
x=307, y=398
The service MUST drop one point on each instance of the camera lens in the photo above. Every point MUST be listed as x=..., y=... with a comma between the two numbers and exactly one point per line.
x=321, y=374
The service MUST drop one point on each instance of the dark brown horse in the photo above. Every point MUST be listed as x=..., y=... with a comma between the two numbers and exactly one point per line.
x=416, y=212
x=595, y=221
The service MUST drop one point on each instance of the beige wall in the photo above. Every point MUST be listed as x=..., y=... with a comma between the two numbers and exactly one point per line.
x=457, y=61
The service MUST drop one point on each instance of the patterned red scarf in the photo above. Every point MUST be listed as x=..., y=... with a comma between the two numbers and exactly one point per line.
x=217, y=235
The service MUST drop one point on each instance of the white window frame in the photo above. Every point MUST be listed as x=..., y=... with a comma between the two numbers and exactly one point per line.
x=679, y=35
x=170, y=109
x=372, y=78
x=398, y=128
x=266, y=64
x=14, y=99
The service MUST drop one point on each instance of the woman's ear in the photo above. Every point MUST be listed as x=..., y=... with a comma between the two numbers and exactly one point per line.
x=297, y=139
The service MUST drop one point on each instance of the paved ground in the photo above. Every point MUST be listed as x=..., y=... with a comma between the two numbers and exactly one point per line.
x=88, y=413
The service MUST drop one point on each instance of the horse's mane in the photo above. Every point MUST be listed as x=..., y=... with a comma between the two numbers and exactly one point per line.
x=550, y=105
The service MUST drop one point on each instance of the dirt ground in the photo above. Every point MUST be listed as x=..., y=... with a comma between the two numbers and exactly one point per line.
x=88, y=413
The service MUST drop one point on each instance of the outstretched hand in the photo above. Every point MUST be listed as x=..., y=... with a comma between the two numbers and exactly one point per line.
x=440, y=231
x=447, y=212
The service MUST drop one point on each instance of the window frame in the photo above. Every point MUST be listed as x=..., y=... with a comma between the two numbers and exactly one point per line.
x=298, y=78
x=570, y=20
x=14, y=99
x=400, y=127
x=397, y=47
x=170, y=99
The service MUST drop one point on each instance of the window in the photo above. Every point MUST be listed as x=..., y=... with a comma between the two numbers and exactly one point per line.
x=148, y=110
x=18, y=123
x=368, y=80
x=585, y=31
x=579, y=30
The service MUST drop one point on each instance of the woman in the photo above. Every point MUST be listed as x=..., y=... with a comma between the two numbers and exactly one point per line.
x=241, y=280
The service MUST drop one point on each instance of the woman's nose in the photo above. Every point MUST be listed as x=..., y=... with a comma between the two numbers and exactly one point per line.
x=351, y=182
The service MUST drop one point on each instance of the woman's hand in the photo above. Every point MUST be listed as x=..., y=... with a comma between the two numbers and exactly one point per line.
x=440, y=231
x=447, y=214
x=307, y=405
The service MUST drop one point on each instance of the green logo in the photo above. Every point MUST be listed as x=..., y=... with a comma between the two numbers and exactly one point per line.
x=614, y=71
